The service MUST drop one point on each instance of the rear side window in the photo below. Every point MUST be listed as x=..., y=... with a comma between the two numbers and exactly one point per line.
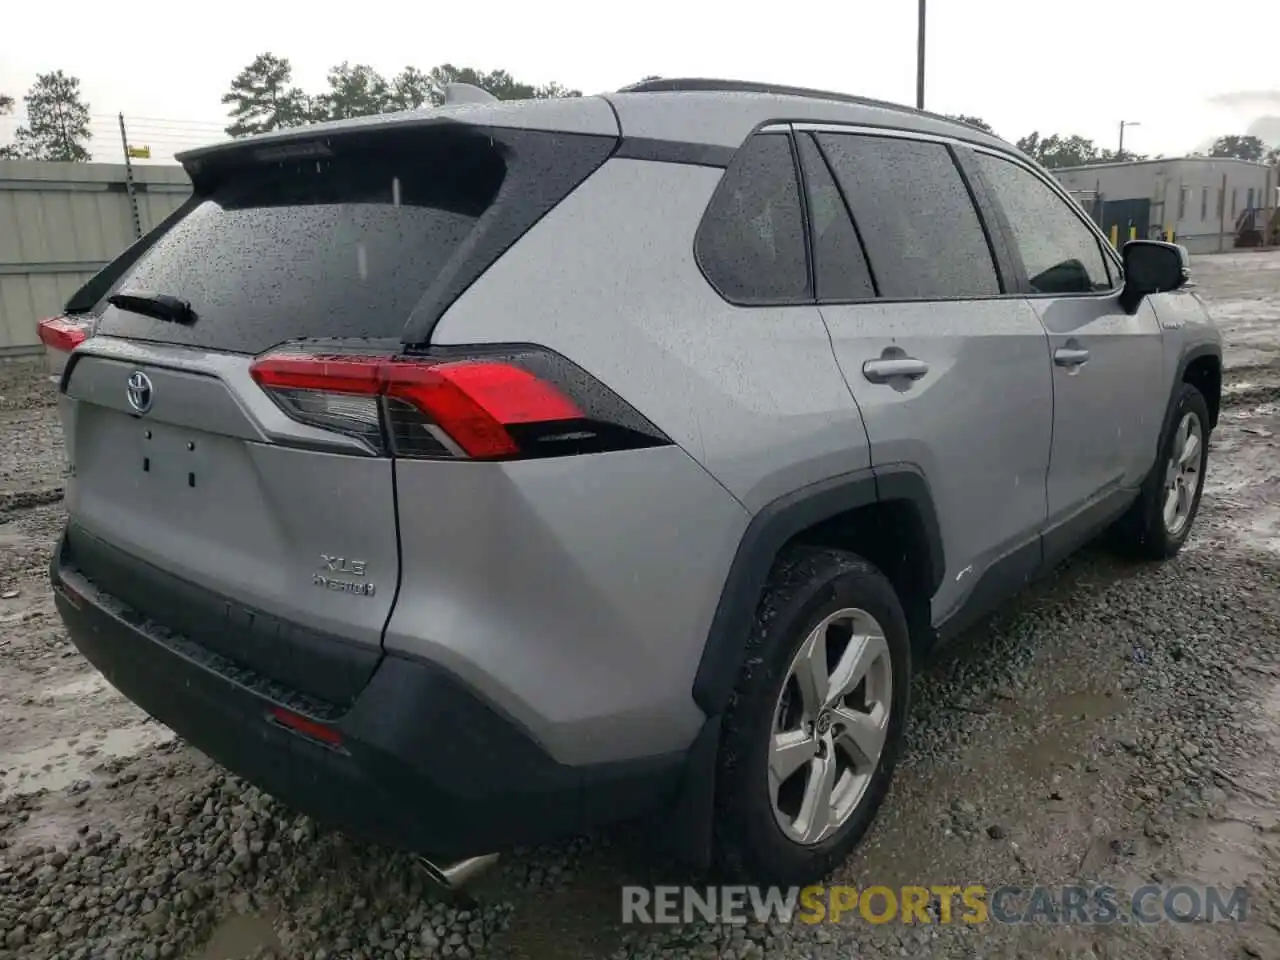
x=1059, y=253
x=750, y=243
x=839, y=267
x=915, y=215
x=337, y=246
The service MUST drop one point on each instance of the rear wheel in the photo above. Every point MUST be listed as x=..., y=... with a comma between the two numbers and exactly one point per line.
x=1159, y=522
x=815, y=725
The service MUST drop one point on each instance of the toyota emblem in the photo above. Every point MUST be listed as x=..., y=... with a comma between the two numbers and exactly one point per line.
x=139, y=391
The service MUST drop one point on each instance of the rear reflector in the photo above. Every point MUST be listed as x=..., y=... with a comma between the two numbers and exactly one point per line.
x=63, y=334
x=479, y=407
x=307, y=727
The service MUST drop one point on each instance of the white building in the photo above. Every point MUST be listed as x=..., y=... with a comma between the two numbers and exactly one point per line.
x=1200, y=199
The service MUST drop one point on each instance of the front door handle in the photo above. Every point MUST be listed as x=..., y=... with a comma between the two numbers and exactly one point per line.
x=1070, y=356
x=882, y=371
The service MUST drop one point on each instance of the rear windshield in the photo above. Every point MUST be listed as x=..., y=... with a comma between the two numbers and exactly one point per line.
x=343, y=245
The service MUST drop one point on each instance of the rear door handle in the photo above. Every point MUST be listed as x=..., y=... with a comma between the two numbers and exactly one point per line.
x=882, y=371
x=1070, y=357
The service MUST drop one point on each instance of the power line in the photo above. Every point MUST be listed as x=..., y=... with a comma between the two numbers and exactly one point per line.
x=160, y=121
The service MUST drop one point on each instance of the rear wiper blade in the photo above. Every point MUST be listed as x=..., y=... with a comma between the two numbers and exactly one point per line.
x=158, y=305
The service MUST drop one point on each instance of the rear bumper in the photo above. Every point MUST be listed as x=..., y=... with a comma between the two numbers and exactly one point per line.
x=424, y=765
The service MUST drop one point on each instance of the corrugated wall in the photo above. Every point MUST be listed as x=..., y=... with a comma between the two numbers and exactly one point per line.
x=60, y=223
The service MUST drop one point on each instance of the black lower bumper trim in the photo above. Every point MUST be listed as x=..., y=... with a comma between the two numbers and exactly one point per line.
x=424, y=764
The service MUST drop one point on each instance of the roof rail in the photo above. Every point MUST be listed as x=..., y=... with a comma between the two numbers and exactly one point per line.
x=705, y=85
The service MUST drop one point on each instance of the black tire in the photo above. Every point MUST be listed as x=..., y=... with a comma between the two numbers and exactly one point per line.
x=1141, y=534
x=806, y=585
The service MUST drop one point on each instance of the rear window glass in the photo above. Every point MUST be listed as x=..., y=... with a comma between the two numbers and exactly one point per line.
x=337, y=246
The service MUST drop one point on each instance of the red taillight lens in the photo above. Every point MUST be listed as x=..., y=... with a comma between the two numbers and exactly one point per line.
x=519, y=404
x=63, y=333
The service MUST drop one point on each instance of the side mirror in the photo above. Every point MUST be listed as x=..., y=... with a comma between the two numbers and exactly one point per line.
x=1151, y=266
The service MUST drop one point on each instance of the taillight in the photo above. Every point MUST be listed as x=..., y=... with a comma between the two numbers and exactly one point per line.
x=63, y=334
x=514, y=404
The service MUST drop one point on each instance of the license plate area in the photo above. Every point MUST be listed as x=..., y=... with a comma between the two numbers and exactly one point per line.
x=171, y=457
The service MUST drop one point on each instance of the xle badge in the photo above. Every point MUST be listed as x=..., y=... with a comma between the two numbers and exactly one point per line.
x=344, y=568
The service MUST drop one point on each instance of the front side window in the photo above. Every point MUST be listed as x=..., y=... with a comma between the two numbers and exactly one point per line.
x=750, y=243
x=913, y=211
x=1060, y=254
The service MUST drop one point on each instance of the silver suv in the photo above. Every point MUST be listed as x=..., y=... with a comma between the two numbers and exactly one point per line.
x=474, y=476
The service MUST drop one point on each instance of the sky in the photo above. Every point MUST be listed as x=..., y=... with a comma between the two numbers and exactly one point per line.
x=1184, y=72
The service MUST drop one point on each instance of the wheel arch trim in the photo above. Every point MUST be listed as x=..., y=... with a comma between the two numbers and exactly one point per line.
x=1188, y=357
x=769, y=531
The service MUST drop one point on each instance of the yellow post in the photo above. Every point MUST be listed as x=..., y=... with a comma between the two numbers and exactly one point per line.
x=1115, y=235
x=1133, y=232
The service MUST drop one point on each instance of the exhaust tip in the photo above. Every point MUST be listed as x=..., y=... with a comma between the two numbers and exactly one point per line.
x=455, y=876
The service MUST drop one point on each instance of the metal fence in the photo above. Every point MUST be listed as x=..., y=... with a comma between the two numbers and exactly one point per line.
x=60, y=223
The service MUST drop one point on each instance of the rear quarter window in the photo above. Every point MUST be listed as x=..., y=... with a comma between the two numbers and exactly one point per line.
x=751, y=244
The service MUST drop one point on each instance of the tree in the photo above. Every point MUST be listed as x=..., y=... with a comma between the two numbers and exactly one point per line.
x=412, y=89
x=1242, y=148
x=57, y=126
x=1273, y=156
x=354, y=91
x=1059, y=151
x=1115, y=156
x=972, y=122
x=262, y=98
x=6, y=103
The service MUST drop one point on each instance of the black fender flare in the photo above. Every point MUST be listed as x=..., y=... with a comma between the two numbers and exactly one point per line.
x=766, y=534
x=1188, y=357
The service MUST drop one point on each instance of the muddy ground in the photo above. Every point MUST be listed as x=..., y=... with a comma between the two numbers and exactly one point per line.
x=1118, y=725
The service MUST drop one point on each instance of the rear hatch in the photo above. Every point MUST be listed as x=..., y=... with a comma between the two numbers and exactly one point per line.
x=259, y=522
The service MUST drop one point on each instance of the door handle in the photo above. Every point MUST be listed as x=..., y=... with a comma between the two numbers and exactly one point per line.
x=882, y=371
x=1070, y=357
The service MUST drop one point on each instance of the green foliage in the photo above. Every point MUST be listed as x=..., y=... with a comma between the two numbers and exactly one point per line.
x=1056, y=150
x=262, y=96
x=6, y=103
x=57, y=126
x=354, y=91
x=1239, y=147
x=412, y=89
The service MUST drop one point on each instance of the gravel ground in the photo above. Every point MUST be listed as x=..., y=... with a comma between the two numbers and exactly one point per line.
x=1117, y=725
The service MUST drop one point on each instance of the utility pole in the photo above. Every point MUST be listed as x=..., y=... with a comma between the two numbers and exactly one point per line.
x=1123, y=124
x=128, y=181
x=920, y=57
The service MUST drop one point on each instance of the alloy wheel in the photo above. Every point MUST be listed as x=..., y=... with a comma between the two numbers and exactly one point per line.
x=830, y=725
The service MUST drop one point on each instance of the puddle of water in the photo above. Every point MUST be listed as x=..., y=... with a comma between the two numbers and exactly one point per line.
x=1042, y=757
x=66, y=766
x=240, y=935
x=1086, y=705
x=1059, y=745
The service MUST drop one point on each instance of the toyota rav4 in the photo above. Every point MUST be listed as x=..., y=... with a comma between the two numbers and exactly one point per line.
x=474, y=476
